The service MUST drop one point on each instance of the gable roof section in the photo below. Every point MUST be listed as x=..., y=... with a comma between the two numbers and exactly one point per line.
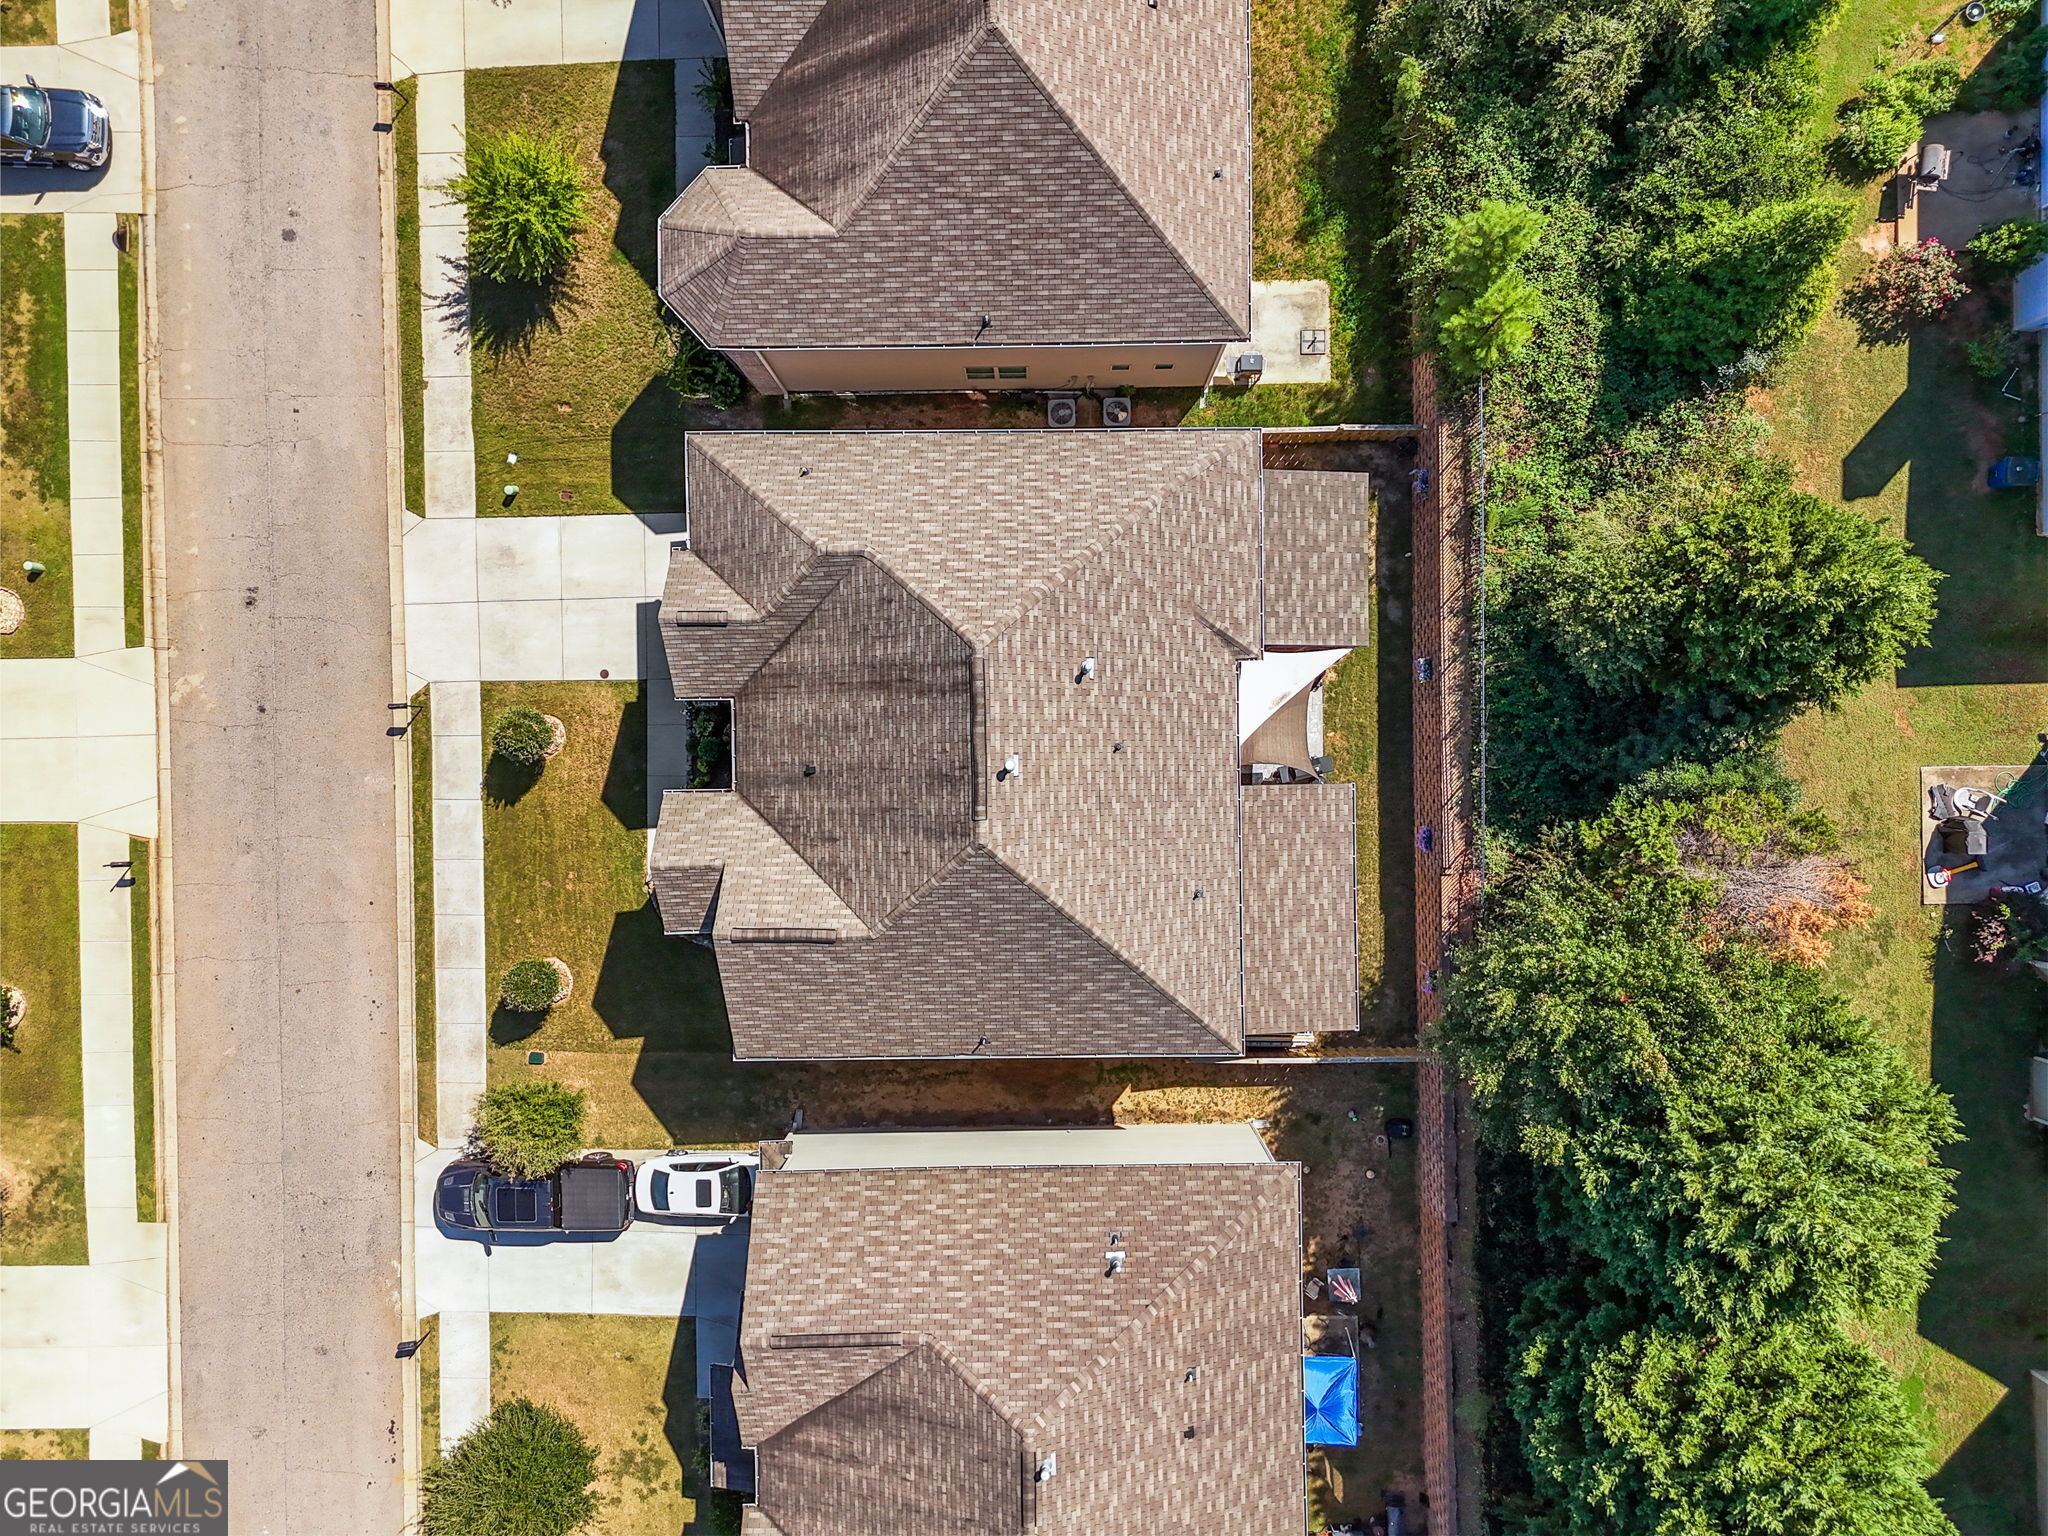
x=1087, y=1366
x=1318, y=558
x=1300, y=908
x=968, y=168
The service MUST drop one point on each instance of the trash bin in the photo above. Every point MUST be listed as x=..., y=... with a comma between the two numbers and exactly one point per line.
x=2013, y=471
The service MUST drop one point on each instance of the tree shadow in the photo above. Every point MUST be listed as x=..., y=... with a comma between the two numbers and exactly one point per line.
x=647, y=451
x=1988, y=1300
x=506, y=783
x=511, y=1025
x=500, y=319
x=1945, y=429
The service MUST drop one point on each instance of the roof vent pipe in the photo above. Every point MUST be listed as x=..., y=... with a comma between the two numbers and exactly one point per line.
x=1012, y=766
x=1087, y=669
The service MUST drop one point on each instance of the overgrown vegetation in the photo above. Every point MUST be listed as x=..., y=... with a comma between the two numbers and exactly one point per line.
x=1706, y=1175
x=525, y=1471
x=1716, y=1167
x=525, y=1129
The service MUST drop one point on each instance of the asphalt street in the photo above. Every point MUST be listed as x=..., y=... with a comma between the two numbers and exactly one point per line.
x=280, y=801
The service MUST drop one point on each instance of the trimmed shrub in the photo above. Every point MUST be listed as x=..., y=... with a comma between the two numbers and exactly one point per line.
x=522, y=734
x=530, y=986
x=2010, y=247
x=525, y=1129
x=524, y=1471
x=525, y=203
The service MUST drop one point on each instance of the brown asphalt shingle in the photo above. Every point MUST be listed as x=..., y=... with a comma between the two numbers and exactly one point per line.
x=1301, y=908
x=1012, y=1344
x=1072, y=180
x=926, y=606
x=1318, y=558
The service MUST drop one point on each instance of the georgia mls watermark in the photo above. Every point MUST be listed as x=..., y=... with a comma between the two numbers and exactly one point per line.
x=113, y=1498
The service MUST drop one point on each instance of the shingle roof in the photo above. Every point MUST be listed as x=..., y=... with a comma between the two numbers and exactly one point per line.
x=925, y=1337
x=925, y=605
x=1301, y=908
x=1318, y=558
x=1020, y=159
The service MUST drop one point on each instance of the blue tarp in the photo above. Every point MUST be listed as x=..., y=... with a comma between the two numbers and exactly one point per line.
x=1330, y=1384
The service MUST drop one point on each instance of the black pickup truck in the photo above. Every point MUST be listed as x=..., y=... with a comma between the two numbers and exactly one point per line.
x=593, y=1194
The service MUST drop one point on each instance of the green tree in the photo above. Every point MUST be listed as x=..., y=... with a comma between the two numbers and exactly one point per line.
x=1736, y=289
x=529, y=1127
x=1636, y=1427
x=524, y=1471
x=1768, y=599
x=1881, y=123
x=1705, y=1121
x=525, y=204
x=1486, y=310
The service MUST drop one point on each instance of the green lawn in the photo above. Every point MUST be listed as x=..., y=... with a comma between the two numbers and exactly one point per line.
x=630, y=1384
x=35, y=448
x=421, y=739
x=42, y=1094
x=141, y=953
x=571, y=382
x=429, y=1358
x=565, y=871
x=1904, y=433
x=27, y=23
x=412, y=382
x=131, y=427
x=45, y=1444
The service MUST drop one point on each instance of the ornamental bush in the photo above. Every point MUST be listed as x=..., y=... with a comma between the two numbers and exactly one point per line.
x=524, y=1471
x=530, y=986
x=528, y=1128
x=698, y=372
x=2010, y=247
x=523, y=735
x=524, y=200
x=1913, y=285
x=1881, y=123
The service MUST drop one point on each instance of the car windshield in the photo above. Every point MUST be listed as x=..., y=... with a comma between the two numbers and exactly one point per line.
x=732, y=1190
x=27, y=118
x=657, y=1189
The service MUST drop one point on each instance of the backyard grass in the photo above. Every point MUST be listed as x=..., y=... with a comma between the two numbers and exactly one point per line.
x=630, y=1384
x=1318, y=208
x=140, y=971
x=412, y=379
x=565, y=876
x=27, y=23
x=42, y=1094
x=128, y=273
x=35, y=446
x=1904, y=433
x=45, y=1444
x=421, y=741
x=570, y=380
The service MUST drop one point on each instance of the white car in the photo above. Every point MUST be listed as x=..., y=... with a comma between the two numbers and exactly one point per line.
x=708, y=1184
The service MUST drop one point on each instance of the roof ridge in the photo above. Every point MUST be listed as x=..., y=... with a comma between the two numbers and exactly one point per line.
x=1099, y=544
x=1102, y=160
x=912, y=122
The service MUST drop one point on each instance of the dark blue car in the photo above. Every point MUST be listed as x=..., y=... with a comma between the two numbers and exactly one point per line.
x=594, y=1194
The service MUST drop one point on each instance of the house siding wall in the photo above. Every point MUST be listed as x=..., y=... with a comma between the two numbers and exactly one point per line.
x=912, y=369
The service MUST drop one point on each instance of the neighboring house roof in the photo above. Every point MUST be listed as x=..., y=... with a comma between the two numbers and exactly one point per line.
x=922, y=605
x=916, y=165
x=1318, y=558
x=916, y=1342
